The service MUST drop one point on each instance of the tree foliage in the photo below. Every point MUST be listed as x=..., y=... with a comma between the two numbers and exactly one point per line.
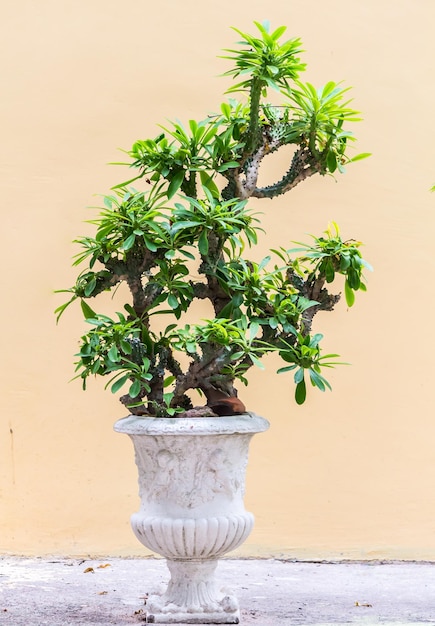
x=186, y=236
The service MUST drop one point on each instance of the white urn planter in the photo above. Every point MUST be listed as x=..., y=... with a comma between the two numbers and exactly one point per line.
x=191, y=485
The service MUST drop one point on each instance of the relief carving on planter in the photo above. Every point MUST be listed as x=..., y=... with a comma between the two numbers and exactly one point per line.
x=166, y=473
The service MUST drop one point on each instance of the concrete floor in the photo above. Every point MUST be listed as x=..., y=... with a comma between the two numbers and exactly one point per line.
x=67, y=592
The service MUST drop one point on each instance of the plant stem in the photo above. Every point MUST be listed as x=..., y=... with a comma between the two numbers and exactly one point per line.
x=302, y=166
x=252, y=135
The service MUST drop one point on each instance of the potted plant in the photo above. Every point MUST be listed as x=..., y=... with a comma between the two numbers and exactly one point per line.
x=186, y=234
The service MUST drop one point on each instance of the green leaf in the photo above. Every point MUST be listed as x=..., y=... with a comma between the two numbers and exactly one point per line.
x=129, y=242
x=193, y=126
x=331, y=161
x=273, y=323
x=119, y=383
x=172, y=301
x=209, y=183
x=316, y=380
x=87, y=311
x=353, y=278
x=329, y=271
x=301, y=392
x=366, y=265
x=168, y=381
x=299, y=375
x=256, y=361
x=359, y=157
x=253, y=330
x=227, y=166
x=319, y=381
x=281, y=370
x=134, y=389
x=203, y=243
x=126, y=347
x=150, y=244
x=127, y=182
x=226, y=109
x=113, y=354
x=90, y=287
x=60, y=309
x=175, y=183
x=315, y=340
x=344, y=262
x=183, y=224
x=96, y=367
x=349, y=294
x=185, y=253
x=264, y=262
x=278, y=32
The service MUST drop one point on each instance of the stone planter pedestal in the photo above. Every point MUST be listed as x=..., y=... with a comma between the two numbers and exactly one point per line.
x=191, y=485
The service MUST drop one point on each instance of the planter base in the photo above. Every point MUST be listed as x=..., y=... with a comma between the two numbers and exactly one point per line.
x=191, y=484
x=193, y=618
x=192, y=597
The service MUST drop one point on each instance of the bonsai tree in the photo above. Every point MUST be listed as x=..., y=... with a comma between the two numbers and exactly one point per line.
x=186, y=235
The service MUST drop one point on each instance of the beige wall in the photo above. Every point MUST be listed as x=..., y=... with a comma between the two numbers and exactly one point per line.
x=352, y=473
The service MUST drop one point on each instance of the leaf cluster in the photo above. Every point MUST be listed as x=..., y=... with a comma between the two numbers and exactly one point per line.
x=265, y=58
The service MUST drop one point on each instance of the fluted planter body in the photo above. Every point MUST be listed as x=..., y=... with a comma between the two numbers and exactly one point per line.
x=191, y=484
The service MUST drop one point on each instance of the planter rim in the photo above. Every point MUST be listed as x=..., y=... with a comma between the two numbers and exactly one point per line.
x=225, y=425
